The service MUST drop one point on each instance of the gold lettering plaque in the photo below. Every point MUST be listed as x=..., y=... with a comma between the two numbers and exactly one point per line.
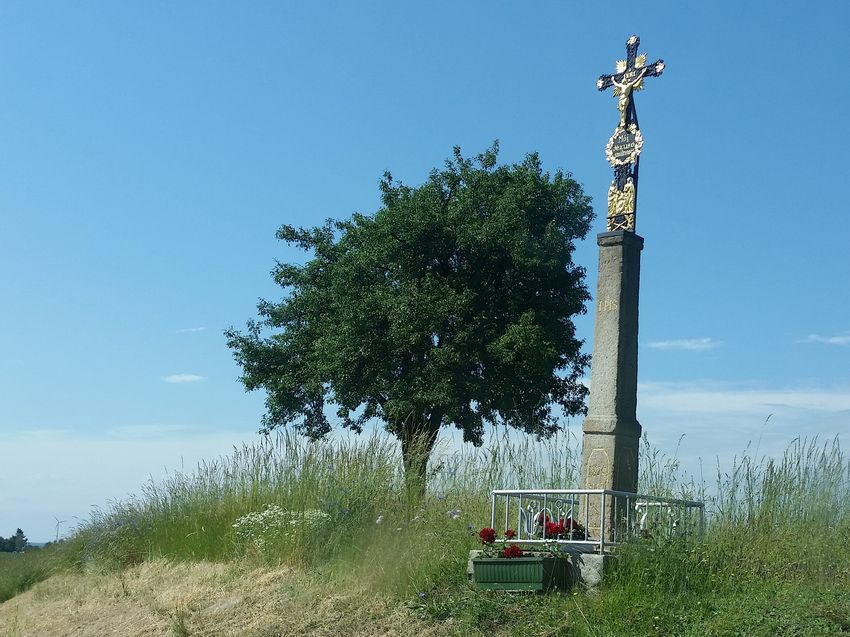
x=608, y=305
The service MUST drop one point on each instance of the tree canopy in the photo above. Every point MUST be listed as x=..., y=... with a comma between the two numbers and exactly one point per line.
x=452, y=305
x=14, y=543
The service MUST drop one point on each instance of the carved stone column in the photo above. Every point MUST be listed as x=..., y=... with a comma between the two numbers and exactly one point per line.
x=611, y=429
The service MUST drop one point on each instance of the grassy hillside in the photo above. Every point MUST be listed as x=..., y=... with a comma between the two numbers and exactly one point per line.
x=291, y=537
x=19, y=571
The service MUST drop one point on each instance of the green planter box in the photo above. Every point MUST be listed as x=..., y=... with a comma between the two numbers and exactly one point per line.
x=535, y=573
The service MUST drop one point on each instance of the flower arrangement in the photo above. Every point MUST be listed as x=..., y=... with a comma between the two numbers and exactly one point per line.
x=496, y=567
x=564, y=529
x=487, y=536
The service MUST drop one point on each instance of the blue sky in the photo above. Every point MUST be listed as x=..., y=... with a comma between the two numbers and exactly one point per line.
x=149, y=151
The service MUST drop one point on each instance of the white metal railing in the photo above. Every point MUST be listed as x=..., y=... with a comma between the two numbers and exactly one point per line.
x=593, y=519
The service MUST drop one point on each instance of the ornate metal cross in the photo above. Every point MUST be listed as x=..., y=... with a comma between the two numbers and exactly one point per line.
x=623, y=149
x=629, y=77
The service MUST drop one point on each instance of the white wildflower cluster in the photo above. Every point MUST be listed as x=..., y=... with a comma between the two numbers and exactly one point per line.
x=274, y=524
x=312, y=519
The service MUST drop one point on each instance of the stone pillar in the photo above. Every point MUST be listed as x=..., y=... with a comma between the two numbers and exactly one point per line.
x=611, y=429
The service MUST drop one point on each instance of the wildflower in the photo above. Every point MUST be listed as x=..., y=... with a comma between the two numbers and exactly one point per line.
x=487, y=535
x=454, y=514
x=379, y=520
x=421, y=595
x=258, y=527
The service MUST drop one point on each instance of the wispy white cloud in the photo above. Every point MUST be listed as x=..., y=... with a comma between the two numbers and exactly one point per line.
x=689, y=344
x=183, y=378
x=841, y=339
x=187, y=330
x=720, y=419
x=712, y=398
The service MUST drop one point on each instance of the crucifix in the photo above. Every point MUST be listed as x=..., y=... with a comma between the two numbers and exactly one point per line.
x=629, y=77
x=624, y=147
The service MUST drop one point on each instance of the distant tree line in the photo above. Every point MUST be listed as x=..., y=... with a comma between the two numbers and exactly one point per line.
x=14, y=543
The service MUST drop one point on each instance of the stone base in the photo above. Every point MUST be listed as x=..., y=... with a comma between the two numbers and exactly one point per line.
x=588, y=568
x=610, y=461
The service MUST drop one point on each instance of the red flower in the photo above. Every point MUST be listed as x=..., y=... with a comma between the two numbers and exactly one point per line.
x=487, y=535
x=510, y=534
x=512, y=551
x=555, y=529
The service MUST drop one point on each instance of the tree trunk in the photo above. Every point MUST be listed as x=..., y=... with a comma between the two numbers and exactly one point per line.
x=417, y=442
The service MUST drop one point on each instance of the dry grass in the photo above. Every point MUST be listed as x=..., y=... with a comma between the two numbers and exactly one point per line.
x=203, y=600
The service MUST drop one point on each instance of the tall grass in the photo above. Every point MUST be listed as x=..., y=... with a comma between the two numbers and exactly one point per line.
x=784, y=520
x=794, y=512
x=20, y=571
x=798, y=500
x=191, y=516
x=358, y=482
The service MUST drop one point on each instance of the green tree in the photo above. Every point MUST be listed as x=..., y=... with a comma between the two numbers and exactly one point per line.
x=18, y=541
x=13, y=543
x=451, y=305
